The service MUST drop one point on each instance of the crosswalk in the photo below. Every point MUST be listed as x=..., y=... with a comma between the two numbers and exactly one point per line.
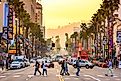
x=89, y=77
x=72, y=76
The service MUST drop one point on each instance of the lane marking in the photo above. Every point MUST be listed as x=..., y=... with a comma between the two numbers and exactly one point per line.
x=30, y=76
x=58, y=75
x=72, y=75
x=16, y=76
x=66, y=78
x=2, y=76
x=118, y=79
x=100, y=76
x=92, y=77
x=115, y=76
x=27, y=79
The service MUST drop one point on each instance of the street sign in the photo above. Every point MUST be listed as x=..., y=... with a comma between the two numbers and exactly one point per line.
x=10, y=22
x=118, y=36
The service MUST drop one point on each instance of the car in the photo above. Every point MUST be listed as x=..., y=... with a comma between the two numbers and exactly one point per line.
x=32, y=61
x=27, y=63
x=21, y=61
x=49, y=64
x=85, y=63
x=15, y=65
x=72, y=61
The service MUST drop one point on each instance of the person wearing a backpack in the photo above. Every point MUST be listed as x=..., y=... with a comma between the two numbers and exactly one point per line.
x=78, y=66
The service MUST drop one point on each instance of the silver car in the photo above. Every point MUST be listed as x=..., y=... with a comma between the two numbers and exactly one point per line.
x=85, y=63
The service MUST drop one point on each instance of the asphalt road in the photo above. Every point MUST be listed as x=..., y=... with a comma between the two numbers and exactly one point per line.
x=95, y=74
x=26, y=74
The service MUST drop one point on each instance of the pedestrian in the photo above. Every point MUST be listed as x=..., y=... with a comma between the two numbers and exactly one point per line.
x=117, y=63
x=37, y=65
x=44, y=66
x=62, y=68
x=7, y=63
x=66, y=67
x=78, y=66
x=3, y=64
x=109, y=69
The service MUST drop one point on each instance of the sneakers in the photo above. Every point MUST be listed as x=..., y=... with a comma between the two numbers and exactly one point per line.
x=106, y=74
x=111, y=75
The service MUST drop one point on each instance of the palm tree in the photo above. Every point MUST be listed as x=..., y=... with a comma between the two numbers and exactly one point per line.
x=66, y=34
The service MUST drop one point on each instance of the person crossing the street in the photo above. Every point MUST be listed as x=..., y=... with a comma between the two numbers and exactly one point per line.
x=37, y=66
x=44, y=67
x=66, y=67
x=62, y=68
x=78, y=66
x=110, y=66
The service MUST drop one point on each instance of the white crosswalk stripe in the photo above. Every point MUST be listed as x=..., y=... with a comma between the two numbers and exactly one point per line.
x=16, y=76
x=30, y=76
x=2, y=76
x=66, y=78
x=118, y=79
x=100, y=75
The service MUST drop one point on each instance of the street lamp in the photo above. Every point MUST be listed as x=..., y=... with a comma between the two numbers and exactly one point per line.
x=16, y=34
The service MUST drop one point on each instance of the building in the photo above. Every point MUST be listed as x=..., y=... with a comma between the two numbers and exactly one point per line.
x=39, y=17
x=30, y=7
x=117, y=27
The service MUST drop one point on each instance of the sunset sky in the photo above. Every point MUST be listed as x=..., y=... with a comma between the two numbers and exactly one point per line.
x=62, y=12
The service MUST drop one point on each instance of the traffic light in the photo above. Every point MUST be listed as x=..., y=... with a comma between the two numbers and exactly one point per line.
x=66, y=45
x=53, y=44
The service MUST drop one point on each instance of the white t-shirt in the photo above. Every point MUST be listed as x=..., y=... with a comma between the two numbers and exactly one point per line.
x=44, y=66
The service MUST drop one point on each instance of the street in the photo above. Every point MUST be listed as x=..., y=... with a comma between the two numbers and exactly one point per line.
x=26, y=74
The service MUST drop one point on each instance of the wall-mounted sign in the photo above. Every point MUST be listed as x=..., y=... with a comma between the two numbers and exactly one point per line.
x=10, y=22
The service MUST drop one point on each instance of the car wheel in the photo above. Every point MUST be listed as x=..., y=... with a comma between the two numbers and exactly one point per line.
x=91, y=67
x=87, y=66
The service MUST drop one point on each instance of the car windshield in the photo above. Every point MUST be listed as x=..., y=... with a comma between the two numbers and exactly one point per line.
x=15, y=62
x=20, y=60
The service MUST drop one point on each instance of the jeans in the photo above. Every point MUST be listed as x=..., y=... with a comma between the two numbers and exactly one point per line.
x=37, y=69
x=62, y=71
x=44, y=71
x=78, y=70
x=109, y=70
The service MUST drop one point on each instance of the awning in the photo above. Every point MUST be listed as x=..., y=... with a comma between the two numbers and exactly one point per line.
x=12, y=51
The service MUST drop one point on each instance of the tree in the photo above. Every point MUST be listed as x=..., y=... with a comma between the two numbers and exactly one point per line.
x=57, y=43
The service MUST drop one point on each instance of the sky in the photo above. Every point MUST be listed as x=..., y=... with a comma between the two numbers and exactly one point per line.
x=62, y=12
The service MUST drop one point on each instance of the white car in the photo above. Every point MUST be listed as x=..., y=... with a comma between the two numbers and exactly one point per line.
x=72, y=61
x=32, y=61
x=15, y=64
x=26, y=61
x=21, y=61
x=84, y=63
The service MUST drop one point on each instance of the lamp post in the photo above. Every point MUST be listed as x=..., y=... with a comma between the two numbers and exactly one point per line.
x=16, y=36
